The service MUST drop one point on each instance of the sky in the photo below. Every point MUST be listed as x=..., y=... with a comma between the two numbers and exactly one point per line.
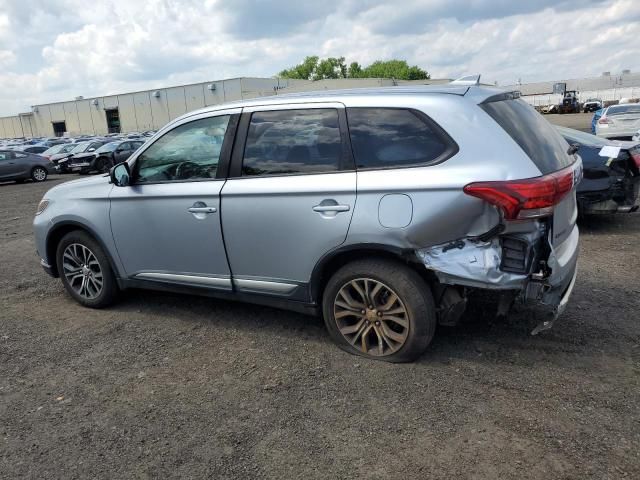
x=53, y=50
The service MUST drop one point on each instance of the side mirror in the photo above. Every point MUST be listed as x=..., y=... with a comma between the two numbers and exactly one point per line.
x=91, y=150
x=120, y=174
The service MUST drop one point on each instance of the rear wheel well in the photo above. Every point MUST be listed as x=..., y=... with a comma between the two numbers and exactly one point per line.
x=333, y=264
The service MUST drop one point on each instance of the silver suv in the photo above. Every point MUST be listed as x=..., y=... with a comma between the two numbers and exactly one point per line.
x=382, y=209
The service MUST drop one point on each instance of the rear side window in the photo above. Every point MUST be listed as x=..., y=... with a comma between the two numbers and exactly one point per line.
x=623, y=109
x=539, y=140
x=394, y=137
x=285, y=142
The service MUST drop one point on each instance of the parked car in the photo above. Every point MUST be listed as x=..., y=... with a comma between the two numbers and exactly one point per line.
x=62, y=160
x=591, y=105
x=611, y=181
x=459, y=189
x=619, y=122
x=58, y=148
x=104, y=157
x=21, y=166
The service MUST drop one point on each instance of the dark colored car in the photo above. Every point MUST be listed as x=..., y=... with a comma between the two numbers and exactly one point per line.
x=611, y=180
x=62, y=160
x=20, y=166
x=104, y=157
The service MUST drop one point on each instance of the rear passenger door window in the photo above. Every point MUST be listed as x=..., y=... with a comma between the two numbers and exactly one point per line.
x=396, y=137
x=286, y=142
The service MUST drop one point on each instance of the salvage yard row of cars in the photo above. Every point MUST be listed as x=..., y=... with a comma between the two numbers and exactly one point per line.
x=383, y=210
x=35, y=159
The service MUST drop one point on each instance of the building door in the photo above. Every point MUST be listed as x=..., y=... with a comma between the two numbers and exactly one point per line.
x=59, y=128
x=113, y=120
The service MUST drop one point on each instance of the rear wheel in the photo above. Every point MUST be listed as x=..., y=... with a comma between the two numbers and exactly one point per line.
x=85, y=270
x=379, y=309
x=38, y=174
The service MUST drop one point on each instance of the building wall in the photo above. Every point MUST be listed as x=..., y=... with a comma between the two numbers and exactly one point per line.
x=140, y=111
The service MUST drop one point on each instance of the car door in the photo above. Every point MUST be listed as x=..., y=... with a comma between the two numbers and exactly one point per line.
x=290, y=195
x=122, y=152
x=7, y=164
x=166, y=224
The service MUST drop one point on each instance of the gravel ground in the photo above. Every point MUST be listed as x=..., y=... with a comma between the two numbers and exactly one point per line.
x=167, y=386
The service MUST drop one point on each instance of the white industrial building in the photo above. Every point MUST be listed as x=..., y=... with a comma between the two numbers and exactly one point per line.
x=607, y=87
x=152, y=109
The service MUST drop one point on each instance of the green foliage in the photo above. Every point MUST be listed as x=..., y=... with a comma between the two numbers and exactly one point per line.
x=313, y=68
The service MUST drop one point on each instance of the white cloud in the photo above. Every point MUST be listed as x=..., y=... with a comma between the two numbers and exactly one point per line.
x=52, y=51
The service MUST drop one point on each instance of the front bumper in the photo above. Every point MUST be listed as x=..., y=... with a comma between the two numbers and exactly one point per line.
x=47, y=268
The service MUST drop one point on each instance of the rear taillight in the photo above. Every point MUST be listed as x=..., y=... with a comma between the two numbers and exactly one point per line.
x=635, y=154
x=604, y=120
x=527, y=198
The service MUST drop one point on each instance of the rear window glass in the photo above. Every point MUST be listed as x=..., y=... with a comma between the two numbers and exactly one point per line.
x=537, y=137
x=393, y=137
x=623, y=109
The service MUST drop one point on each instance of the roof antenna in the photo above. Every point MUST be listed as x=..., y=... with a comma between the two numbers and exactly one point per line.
x=468, y=80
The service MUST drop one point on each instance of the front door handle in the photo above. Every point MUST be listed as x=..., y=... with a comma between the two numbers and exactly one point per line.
x=331, y=208
x=203, y=210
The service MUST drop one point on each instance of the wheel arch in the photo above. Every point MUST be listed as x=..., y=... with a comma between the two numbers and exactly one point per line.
x=335, y=259
x=60, y=230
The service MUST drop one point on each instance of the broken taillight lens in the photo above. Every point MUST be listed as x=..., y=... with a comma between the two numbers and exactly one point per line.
x=635, y=154
x=527, y=198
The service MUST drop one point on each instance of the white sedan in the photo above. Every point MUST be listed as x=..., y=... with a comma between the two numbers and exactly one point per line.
x=619, y=121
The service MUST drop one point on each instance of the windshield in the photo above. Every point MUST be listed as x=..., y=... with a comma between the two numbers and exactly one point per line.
x=53, y=150
x=108, y=147
x=80, y=147
x=67, y=147
x=623, y=109
x=576, y=136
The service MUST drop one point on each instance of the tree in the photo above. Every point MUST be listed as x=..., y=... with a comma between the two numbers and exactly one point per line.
x=312, y=68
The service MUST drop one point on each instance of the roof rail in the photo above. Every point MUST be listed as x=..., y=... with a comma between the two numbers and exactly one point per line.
x=468, y=80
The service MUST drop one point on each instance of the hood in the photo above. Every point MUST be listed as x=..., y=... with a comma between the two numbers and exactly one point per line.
x=68, y=189
x=84, y=155
x=59, y=156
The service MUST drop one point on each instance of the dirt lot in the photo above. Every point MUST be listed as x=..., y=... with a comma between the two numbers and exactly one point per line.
x=165, y=386
x=579, y=121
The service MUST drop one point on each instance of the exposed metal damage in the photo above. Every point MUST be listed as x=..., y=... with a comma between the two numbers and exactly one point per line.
x=519, y=258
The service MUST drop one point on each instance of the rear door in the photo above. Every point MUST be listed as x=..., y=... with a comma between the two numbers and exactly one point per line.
x=290, y=195
x=7, y=164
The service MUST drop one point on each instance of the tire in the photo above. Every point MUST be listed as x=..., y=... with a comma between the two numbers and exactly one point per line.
x=72, y=250
x=101, y=165
x=384, y=339
x=39, y=174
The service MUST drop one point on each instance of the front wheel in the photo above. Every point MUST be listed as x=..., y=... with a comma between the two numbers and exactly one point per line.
x=85, y=270
x=38, y=174
x=379, y=309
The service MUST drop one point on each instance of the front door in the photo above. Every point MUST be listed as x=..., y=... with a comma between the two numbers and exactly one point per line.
x=166, y=224
x=291, y=198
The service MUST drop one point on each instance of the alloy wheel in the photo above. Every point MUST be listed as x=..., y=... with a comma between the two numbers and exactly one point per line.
x=371, y=317
x=39, y=174
x=82, y=271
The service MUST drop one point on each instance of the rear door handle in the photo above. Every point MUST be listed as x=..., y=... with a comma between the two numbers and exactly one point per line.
x=331, y=208
x=203, y=210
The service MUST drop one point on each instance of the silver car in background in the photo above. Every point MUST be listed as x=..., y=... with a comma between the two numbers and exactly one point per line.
x=382, y=210
x=620, y=122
